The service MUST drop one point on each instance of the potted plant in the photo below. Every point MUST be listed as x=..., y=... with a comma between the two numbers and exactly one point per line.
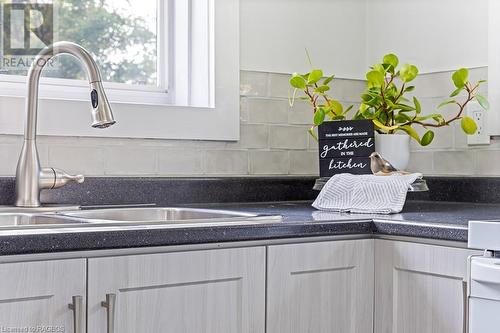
x=387, y=103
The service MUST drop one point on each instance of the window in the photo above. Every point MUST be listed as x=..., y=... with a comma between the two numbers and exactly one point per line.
x=121, y=34
x=172, y=60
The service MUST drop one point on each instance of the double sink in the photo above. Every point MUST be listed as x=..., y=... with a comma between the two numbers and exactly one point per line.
x=13, y=219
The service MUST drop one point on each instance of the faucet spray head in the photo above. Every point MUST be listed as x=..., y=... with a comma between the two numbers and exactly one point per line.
x=102, y=116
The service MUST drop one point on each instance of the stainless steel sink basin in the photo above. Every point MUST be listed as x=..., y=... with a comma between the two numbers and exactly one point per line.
x=167, y=215
x=16, y=220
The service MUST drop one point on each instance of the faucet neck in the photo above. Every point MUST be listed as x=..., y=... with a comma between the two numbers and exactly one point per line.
x=36, y=70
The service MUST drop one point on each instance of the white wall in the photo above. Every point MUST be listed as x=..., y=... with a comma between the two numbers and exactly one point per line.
x=275, y=34
x=436, y=35
x=346, y=36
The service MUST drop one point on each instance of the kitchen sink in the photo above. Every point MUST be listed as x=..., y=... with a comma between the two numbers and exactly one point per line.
x=12, y=218
x=168, y=215
x=16, y=220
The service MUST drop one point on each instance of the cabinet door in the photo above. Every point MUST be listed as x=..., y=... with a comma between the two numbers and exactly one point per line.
x=419, y=288
x=34, y=296
x=215, y=291
x=320, y=287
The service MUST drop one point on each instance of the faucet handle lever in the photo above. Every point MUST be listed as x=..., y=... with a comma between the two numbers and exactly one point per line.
x=55, y=178
x=75, y=178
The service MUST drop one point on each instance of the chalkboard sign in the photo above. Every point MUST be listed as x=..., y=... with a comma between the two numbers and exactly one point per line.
x=345, y=147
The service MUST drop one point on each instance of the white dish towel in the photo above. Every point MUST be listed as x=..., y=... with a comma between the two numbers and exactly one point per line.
x=365, y=193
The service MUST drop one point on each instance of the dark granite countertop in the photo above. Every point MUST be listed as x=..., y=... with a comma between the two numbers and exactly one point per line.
x=422, y=219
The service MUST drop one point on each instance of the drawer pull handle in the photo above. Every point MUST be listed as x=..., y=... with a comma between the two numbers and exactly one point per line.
x=465, y=305
x=77, y=307
x=109, y=304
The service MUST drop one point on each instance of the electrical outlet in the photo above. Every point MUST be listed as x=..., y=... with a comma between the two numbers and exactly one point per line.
x=476, y=112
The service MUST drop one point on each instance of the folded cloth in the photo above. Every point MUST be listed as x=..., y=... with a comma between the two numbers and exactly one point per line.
x=365, y=193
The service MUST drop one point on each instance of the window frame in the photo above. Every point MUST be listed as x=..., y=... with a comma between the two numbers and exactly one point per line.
x=175, y=109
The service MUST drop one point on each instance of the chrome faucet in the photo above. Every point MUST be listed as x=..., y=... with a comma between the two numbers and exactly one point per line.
x=30, y=177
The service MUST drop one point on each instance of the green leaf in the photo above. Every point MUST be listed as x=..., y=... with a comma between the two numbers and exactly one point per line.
x=380, y=68
x=408, y=72
x=314, y=76
x=456, y=92
x=483, y=102
x=297, y=81
x=450, y=101
x=404, y=107
x=427, y=138
x=411, y=132
x=313, y=133
x=418, y=107
x=384, y=127
x=439, y=118
x=375, y=78
x=402, y=117
x=409, y=88
x=468, y=125
x=328, y=80
x=367, y=98
x=391, y=59
x=388, y=68
x=336, y=107
x=460, y=77
x=319, y=117
x=436, y=116
x=321, y=89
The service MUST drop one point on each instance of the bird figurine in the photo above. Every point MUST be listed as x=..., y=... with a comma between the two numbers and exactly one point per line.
x=381, y=166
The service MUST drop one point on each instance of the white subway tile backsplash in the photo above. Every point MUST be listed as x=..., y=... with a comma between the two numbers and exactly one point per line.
x=252, y=136
x=244, y=110
x=180, y=162
x=230, y=162
x=9, y=154
x=77, y=159
x=304, y=163
x=123, y=160
x=312, y=143
x=288, y=137
x=347, y=90
x=459, y=137
x=301, y=113
x=488, y=162
x=279, y=85
x=263, y=110
x=269, y=162
x=253, y=83
x=454, y=162
x=274, y=140
x=443, y=139
x=422, y=162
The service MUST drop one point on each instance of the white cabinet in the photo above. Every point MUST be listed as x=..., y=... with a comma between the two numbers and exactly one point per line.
x=419, y=288
x=213, y=291
x=34, y=296
x=345, y=286
x=320, y=287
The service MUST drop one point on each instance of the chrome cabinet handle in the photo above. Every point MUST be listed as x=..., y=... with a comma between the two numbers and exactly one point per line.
x=109, y=304
x=77, y=307
x=465, y=300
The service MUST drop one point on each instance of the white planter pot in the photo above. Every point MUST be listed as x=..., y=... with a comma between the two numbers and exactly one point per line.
x=395, y=148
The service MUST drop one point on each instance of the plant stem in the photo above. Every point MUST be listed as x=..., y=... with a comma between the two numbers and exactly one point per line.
x=470, y=97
